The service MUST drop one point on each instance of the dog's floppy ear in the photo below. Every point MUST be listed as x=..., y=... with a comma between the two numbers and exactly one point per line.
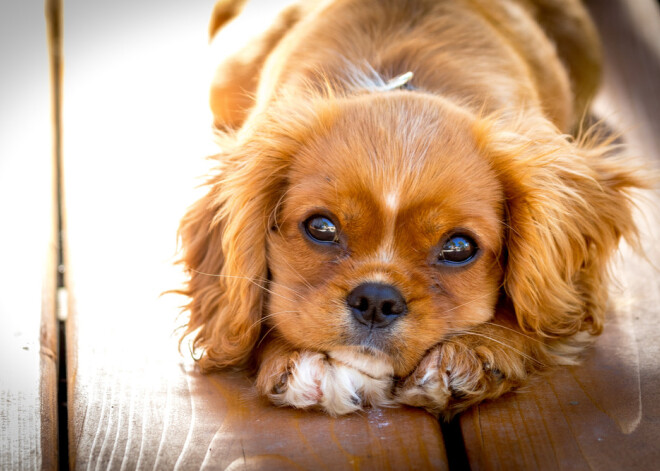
x=223, y=241
x=568, y=205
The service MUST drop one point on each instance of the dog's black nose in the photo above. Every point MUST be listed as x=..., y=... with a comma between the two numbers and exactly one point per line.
x=376, y=304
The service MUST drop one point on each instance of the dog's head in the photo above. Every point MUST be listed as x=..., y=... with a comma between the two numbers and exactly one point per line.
x=387, y=222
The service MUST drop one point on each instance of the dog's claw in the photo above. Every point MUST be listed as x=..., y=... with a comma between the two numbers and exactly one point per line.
x=280, y=388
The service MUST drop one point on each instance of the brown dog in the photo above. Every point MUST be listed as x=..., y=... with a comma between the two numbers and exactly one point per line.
x=399, y=214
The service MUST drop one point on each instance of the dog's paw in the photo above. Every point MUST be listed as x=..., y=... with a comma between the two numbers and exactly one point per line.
x=428, y=386
x=325, y=381
x=452, y=377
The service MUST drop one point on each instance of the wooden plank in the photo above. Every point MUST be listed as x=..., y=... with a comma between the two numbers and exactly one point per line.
x=604, y=414
x=28, y=250
x=136, y=128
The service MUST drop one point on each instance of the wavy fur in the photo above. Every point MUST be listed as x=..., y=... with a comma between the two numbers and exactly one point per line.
x=479, y=143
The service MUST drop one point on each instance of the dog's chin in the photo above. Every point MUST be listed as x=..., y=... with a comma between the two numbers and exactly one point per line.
x=367, y=360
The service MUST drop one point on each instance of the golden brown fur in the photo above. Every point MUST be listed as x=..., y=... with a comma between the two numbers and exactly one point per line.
x=479, y=145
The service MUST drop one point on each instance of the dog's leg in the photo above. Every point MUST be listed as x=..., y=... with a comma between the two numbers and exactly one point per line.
x=568, y=24
x=468, y=368
x=236, y=79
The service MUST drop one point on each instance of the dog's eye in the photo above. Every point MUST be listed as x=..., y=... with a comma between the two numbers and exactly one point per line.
x=321, y=229
x=458, y=250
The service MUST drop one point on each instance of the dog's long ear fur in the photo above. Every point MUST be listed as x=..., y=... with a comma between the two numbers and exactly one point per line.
x=223, y=239
x=568, y=205
x=224, y=236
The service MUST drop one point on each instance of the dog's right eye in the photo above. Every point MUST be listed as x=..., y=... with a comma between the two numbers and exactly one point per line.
x=321, y=229
x=459, y=249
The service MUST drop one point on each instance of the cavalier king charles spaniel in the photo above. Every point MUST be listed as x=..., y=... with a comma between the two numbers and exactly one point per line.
x=404, y=210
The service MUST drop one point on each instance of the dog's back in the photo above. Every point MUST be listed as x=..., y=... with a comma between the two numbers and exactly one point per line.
x=555, y=39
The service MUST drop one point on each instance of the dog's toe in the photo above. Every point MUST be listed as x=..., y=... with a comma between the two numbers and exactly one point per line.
x=428, y=386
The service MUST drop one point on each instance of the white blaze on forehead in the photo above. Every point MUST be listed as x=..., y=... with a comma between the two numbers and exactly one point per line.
x=385, y=254
x=377, y=277
x=392, y=201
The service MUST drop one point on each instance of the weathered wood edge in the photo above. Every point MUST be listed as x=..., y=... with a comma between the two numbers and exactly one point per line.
x=49, y=338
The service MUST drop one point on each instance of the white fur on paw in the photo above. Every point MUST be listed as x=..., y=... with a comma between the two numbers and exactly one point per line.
x=370, y=374
x=333, y=383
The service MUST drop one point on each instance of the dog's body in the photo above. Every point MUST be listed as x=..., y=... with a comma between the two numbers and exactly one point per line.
x=429, y=241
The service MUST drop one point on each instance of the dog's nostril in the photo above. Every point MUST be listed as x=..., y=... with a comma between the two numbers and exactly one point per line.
x=386, y=308
x=390, y=308
x=360, y=303
x=376, y=304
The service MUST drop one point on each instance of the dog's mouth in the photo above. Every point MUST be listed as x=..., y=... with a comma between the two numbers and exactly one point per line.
x=372, y=341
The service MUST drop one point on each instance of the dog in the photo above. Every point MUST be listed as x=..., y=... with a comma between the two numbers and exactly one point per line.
x=404, y=209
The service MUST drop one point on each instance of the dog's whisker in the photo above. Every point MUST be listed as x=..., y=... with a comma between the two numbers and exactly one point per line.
x=515, y=331
x=473, y=300
x=272, y=218
x=504, y=344
x=306, y=283
x=268, y=316
x=263, y=337
x=251, y=280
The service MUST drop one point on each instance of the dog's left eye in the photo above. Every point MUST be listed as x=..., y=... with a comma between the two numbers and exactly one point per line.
x=458, y=250
x=321, y=229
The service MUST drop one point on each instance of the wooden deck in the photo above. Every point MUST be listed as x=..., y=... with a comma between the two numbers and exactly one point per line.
x=135, y=129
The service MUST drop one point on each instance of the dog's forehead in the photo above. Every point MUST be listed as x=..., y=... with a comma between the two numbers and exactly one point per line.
x=395, y=153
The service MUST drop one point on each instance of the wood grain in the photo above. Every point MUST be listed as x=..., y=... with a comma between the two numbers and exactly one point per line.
x=175, y=417
x=136, y=128
x=605, y=413
x=28, y=251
